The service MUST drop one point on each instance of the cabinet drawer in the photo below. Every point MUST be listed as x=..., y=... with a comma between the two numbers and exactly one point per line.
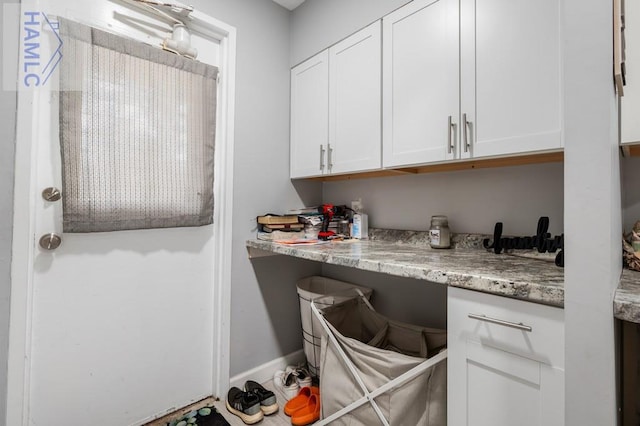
x=527, y=329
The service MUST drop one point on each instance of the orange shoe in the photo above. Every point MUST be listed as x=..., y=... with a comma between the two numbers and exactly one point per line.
x=309, y=413
x=300, y=400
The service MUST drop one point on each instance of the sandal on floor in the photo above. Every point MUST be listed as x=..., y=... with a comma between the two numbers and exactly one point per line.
x=300, y=400
x=309, y=413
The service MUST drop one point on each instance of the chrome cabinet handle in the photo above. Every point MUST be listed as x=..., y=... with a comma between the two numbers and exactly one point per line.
x=519, y=325
x=450, y=126
x=465, y=139
x=329, y=157
x=321, y=157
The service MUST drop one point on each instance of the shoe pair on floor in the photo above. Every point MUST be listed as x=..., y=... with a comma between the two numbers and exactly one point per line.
x=291, y=380
x=304, y=408
x=252, y=404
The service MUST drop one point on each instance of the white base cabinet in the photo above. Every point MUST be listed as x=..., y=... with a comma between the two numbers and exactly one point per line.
x=506, y=361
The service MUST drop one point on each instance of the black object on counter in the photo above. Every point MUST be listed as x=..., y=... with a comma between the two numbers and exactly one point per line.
x=542, y=241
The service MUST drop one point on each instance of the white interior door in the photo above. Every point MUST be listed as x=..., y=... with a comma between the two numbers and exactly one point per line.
x=121, y=326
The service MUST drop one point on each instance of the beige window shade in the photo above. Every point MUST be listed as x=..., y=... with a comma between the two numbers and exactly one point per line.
x=137, y=134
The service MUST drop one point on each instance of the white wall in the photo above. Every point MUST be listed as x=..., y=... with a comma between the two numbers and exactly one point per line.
x=593, y=257
x=7, y=144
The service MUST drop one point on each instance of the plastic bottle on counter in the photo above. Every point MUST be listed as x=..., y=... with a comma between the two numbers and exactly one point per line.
x=360, y=225
x=439, y=234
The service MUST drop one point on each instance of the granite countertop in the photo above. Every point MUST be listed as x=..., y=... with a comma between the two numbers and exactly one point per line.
x=626, y=303
x=466, y=265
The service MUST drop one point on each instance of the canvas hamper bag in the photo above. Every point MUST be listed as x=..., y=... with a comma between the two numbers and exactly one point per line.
x=381, y=350
x=325, y=292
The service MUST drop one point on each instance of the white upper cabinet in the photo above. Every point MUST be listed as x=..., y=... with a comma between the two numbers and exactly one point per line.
x=309, y=116
x=335, y=108
x=420, y=83
x=511, y=90
x=460, y=79
x=468, y=78
x=630, y=102
x=355, y=133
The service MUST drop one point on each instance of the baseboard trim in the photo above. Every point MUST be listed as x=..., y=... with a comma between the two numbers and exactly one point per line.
x=264, y=372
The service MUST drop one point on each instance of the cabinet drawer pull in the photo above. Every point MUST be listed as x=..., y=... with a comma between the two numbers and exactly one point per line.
x=321, y=157
x=465, y=140
x=519, y=326
x=450, y=126
x=329, y=155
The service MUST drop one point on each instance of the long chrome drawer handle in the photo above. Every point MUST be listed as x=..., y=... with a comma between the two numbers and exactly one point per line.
x=519, y=326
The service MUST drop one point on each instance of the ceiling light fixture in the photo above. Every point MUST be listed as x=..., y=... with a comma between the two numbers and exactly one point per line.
x=180, y=40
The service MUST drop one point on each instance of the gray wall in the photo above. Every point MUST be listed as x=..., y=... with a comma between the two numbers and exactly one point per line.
x=265, y=321
x=473, y=200
x=7, y=141
x=317, y=24
x=403, y=299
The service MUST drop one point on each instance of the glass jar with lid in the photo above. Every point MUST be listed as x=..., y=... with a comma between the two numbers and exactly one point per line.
x=439, y=234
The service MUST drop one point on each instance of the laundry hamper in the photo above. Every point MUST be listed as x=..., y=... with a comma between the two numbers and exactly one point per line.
x=330, y=291
x=378, y=371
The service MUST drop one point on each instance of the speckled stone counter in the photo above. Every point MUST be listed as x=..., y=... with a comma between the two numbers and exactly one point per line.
x=468, y=265
x=626, y=304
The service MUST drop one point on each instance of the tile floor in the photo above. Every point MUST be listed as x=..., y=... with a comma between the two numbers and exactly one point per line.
x=277, y=419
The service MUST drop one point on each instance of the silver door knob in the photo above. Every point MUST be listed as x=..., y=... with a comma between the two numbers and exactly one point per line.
x=50, y=241
x=51, y=194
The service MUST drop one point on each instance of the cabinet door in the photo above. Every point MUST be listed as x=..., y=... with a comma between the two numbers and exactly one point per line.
x=630, y=102
x=420, y=82
x=511, y=76
x=504, y=389
x=499, y=375
x=355, y=92
x=309, y=116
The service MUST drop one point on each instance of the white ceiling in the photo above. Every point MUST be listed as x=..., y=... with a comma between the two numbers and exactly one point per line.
x=289, y=4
